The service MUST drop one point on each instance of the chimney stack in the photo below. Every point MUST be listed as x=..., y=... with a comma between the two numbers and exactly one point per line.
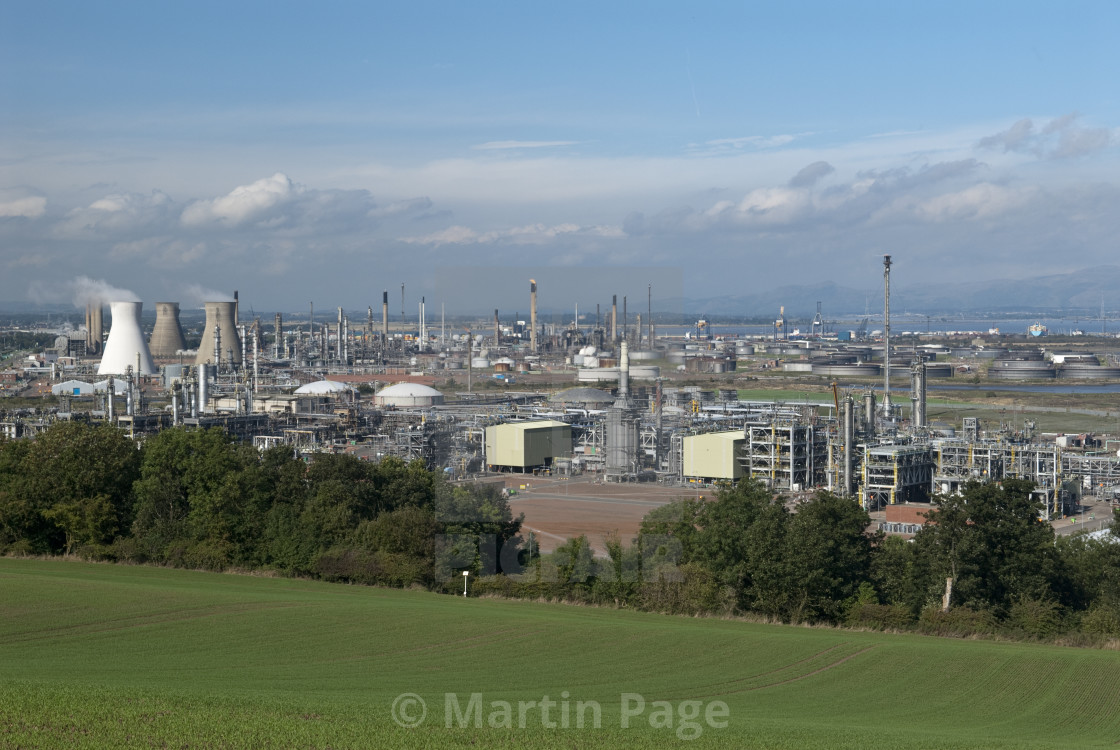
x=614, y=319
x=533, y=315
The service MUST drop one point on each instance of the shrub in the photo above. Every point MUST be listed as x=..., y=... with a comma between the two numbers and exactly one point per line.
x=959, y=622
x=1101, y=619
x=1036, y=618
x=211, y=554
x=879, y=617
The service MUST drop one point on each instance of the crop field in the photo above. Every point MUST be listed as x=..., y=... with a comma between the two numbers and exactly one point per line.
x=96, y=656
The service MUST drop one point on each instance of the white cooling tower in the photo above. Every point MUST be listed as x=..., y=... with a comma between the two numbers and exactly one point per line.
x=219, y=315
x=125, y=342
x=167, y=336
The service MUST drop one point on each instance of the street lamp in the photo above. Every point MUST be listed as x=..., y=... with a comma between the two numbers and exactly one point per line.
x=465, y=574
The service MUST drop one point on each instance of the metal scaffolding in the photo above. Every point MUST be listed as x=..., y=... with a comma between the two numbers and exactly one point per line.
x=895, y=474
x=785, y=454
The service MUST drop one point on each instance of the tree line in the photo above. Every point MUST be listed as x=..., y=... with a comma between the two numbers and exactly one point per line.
x=197, y=499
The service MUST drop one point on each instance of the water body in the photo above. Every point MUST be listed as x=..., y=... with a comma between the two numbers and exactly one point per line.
x=935, y=385
x=917, y=324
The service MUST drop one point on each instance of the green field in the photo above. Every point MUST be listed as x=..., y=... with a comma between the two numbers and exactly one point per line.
x=112, y=656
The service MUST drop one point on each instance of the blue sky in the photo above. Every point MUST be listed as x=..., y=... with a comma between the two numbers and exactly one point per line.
x=326, y=152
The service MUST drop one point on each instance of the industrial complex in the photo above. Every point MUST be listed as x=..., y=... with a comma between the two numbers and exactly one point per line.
x=615, y=401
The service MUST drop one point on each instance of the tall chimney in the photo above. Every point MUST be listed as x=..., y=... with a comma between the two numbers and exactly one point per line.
x=533, y=315
x=497, y=331
x=279, y=335
x=385, y=318
x=338, y=344
x=886, y=335
x=236, y=309
x=614, y=319
x=96, y=333
x=624, y=371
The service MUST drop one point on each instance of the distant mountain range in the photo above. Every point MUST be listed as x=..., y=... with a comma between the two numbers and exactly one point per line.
x=1079, y=291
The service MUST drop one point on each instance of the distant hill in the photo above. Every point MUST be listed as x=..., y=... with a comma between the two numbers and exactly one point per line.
x=1077, y=290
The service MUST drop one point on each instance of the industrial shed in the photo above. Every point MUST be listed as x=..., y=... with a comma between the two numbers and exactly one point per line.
x=522, y=446
x=73, y=387
x=713, y=455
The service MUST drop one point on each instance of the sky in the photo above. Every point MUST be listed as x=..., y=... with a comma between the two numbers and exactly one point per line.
x=325, y=152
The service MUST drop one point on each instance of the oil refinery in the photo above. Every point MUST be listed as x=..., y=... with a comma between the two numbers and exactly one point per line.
x=616, y=400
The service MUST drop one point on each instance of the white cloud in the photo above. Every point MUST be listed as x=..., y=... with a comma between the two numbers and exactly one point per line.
x=243, y=205
x=811, y=174
x=531, y=234
x=752, y=141
x=119, y=212
x=1061, y=138
x=506, y=145
x=981, y=201
x=29, y=207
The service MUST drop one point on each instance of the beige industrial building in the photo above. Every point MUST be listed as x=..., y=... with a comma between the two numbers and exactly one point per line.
x=713, y=455
x=522, y=446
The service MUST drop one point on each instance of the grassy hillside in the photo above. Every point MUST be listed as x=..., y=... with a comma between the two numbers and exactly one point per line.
x=108, y=656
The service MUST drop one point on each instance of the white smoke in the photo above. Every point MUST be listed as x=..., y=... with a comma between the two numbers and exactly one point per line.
x=81, y=291
x=196, y=295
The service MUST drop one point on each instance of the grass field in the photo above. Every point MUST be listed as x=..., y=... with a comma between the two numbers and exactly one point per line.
x=108, y=656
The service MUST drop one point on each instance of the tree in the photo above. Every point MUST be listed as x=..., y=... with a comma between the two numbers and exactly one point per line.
x=188, y=488
x=79, y=478
x=990, y=540
x=678, y=520
x=828, y=554
x=742, y=541
x=480, y=515
x=21, y=524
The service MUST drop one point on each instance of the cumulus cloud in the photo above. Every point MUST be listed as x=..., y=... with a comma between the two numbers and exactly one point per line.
x=811, y=174
x=981, y=201
x=244, y=204
x=27, y=207
x=278, y=204
x=118, y=212
x=1061, y=138
x=940, y=190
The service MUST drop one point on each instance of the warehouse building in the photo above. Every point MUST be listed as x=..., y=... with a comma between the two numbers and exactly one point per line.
x=713, y=456
x=525, y=446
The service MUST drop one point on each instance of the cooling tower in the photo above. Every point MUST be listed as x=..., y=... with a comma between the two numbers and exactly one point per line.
x=219, y=315
x=167, y=337
x=125, y=342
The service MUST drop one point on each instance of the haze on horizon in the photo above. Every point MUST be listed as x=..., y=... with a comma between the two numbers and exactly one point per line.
x=327, y=153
